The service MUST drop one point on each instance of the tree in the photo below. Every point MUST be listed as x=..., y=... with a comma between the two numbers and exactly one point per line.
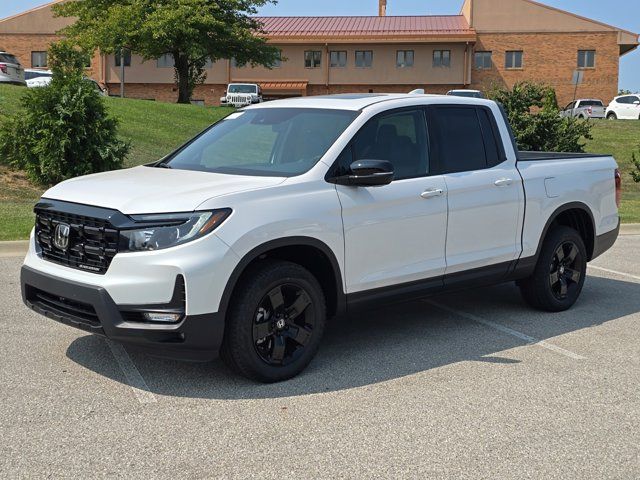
x=63, y=129
x=533, y=112
x=192, y=31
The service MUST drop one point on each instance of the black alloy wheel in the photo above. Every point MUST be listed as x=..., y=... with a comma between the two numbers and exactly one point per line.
x=566, y=270
x=283, y=324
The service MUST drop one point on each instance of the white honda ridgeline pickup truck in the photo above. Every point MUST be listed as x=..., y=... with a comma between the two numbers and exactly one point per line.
x=248, y=237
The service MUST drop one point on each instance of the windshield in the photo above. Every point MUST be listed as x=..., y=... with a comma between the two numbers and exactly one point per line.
x=32, y=75
x=8, y=58
x=281, y=142
x=242, y=89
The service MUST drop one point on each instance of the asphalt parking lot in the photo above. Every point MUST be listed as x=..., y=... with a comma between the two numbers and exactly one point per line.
x=472, y=385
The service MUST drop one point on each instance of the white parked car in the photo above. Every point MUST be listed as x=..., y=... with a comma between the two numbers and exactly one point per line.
x=42, y=78
x=37, y=78
x=247, y=238
x=624, y=107
x=10, y=69
x=242, y=94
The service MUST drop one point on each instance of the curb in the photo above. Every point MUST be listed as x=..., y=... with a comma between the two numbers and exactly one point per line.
x=18, y=248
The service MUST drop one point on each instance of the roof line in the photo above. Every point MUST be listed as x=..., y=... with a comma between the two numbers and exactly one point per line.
x=549, y=7
x=354, y=16
x=31, y=10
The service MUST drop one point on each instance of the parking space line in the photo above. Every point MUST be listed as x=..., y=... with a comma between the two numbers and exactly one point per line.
x=615, y=272
x=131, y=373
x=509, y=331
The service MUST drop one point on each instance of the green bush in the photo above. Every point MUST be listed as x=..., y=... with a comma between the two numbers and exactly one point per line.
x=535, y=118
x=62, y=130
x=635, y=173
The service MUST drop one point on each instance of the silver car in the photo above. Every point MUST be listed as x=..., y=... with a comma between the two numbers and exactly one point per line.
x=10, y=69
x=585, y=109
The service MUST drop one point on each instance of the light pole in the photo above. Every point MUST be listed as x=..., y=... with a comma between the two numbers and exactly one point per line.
x=122, y=72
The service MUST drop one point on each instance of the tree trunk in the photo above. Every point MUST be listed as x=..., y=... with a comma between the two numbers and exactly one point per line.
x=185, y=90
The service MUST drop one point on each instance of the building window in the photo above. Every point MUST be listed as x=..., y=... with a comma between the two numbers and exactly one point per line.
x=513, y=59
x=338, y=59
x=404, y=58
x=586, y=58
x=38, y=59
x=127, y=57
x=312, y=58
x=236, y=64
x=364, y=58
x=208, y=63
x=483, y=60
x=442, y=58
x=165, y=61
x=277, y=63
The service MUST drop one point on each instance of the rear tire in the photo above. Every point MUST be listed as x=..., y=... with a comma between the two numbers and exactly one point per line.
x=560, y=273
x=275, y=323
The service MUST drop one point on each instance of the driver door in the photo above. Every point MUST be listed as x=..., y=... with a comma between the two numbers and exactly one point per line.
x=394, y=234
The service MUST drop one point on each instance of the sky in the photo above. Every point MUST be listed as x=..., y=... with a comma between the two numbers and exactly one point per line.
x=620, y=13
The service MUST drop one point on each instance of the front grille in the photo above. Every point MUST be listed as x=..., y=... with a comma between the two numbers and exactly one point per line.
x=92, y=243
x=239, y=100
x=76, y=312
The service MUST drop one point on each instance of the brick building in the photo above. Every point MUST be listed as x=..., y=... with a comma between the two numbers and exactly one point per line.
x=490, y=42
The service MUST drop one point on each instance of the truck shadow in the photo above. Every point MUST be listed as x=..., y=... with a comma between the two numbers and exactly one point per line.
x=391, y=343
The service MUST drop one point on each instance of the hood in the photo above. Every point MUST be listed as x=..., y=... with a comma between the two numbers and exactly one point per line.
x=154, y=190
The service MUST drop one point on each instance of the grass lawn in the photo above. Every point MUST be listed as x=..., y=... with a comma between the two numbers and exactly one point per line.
x=155, y=129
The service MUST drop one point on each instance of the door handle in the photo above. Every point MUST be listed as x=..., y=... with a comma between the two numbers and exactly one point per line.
x=503, y=182
x=431, y=193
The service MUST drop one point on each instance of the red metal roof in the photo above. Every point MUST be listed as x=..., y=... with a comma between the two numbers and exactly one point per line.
x=366, y=26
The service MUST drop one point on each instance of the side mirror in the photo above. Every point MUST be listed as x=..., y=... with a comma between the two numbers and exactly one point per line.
x=368, y=173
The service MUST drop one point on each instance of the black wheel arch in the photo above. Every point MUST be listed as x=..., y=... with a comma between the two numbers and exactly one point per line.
x=309, y=252
x=576, y=215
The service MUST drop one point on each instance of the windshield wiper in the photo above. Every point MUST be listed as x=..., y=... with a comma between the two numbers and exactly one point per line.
x=163, y=165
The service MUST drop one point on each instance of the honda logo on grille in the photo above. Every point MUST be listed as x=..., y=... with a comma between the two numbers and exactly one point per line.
x=61, y=236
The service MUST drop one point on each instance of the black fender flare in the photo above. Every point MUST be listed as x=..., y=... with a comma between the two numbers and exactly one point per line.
x=567, y=206
x=263, y=248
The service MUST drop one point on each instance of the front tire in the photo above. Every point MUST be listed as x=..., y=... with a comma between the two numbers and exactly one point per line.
x=612, y=116
x=275, y=323
x=560, y=273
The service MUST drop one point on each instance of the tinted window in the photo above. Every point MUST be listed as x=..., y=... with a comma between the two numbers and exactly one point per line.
x=490, y=137
x=458, y=139
x=265, y=141
x=590, y=103
x=399, y=137
x=8, y=58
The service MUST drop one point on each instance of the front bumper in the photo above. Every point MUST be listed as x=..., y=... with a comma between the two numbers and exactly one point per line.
x=92, y=309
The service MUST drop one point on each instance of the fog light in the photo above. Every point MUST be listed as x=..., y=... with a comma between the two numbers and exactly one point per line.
x=162, y=317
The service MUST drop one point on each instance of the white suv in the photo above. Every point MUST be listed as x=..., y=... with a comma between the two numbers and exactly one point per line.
x=10, y=69
x=624, y=107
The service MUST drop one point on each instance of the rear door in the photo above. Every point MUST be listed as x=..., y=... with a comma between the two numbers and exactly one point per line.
x=394, y=234
x=484, y=191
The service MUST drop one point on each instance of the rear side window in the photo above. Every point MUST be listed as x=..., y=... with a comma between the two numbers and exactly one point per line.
x=490, y=137
x=458, y=139
x=8, y=58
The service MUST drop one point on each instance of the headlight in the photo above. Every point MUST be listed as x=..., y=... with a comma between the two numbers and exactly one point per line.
x=168, y=230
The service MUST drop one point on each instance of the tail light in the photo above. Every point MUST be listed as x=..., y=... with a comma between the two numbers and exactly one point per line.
x=3, y=68
x=590, y=110
x=618, y=178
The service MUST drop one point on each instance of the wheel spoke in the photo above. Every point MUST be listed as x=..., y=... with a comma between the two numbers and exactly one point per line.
x=276, y=298
x=299, y=306
x=277, y=354
x=554, y=277
x=261, y=330
x=560, y=253
x=572, y=254
x=563, y=287
x=299, y=334
x=571, y=274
